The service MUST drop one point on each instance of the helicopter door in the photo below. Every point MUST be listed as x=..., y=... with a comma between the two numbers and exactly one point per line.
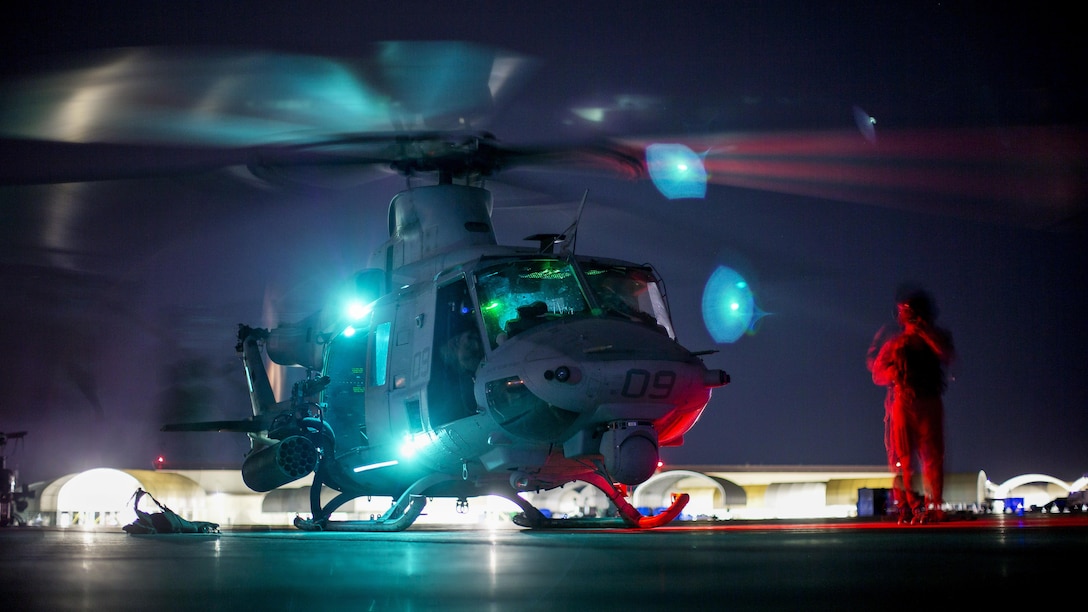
x=457, y=352
x=345, y=396
x=392, y=399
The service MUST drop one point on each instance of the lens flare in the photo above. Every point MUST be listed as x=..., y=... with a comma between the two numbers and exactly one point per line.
x=729, y=308
x=866, y=124
x=676, y=171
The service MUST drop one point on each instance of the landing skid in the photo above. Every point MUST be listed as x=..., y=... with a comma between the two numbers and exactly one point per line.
x=390, y=521
x=629, y=515
x=411, y=503
x=397, y=518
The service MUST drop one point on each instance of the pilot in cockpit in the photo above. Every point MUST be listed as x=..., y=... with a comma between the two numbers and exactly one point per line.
x=529, y=315
x=618, y=296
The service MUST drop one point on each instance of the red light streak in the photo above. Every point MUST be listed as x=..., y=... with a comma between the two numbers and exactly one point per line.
x=1035, y=177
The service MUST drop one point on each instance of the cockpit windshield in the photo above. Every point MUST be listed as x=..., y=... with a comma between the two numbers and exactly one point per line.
x=517, y=295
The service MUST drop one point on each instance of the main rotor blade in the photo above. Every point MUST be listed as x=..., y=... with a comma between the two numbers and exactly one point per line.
x=239, y=98
x=40, y=162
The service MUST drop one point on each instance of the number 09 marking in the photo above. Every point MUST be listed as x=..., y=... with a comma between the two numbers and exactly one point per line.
x=642, y=383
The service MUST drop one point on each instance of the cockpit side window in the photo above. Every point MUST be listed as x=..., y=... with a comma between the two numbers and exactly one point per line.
x=628, y=292
x=345, y=396
x=380, y=371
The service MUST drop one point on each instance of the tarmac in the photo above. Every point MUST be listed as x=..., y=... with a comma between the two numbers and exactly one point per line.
x=1032, y=561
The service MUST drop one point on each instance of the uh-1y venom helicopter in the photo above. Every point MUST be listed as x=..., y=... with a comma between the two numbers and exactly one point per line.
x=468, y=368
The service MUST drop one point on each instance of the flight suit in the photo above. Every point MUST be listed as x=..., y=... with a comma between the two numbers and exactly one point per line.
x=911, y=365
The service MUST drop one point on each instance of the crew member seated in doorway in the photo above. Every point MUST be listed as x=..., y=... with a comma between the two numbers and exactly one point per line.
x=451, y=389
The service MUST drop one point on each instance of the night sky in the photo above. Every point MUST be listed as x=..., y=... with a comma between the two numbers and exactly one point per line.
x=121, y=298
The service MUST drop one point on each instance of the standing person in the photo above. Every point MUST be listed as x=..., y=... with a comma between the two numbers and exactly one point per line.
x=911, y=363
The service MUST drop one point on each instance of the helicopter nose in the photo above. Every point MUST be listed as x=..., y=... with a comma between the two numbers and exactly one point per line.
x=561, y=378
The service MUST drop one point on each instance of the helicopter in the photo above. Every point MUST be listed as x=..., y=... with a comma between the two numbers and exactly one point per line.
x=453, y=366
x=13, y=500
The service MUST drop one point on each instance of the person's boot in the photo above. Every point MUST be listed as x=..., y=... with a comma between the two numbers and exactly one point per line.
x=906, y=515
x=918, y=515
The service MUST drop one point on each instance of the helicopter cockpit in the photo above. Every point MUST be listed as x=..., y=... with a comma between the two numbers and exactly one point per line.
x=515, y=296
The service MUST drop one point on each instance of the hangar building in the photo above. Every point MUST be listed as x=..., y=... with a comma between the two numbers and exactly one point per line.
x=103, y=497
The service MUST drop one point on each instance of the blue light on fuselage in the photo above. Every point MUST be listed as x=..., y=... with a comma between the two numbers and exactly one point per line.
x=374, y=466
x=358, y=310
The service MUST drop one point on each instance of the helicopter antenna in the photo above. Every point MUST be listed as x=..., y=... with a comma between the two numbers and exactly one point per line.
x=572, y=231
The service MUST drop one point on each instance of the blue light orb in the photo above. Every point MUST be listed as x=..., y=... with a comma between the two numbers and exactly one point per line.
x=729, y=308
x=866, y=124
x=676, y=170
